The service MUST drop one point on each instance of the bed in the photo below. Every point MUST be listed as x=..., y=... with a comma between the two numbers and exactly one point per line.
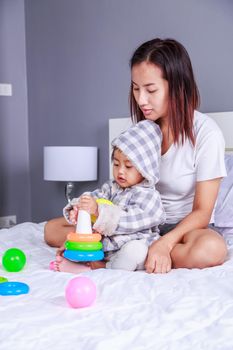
x=184, y=309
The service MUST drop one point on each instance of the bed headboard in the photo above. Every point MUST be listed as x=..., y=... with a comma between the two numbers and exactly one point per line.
x=223, y=119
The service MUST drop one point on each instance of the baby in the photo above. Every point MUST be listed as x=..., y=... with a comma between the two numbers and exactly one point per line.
x=130, y=225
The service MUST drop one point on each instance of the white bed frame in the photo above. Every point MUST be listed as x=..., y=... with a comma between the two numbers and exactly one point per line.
x=223, y=119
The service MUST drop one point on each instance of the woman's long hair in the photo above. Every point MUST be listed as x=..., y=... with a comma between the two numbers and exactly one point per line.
x=172, y=58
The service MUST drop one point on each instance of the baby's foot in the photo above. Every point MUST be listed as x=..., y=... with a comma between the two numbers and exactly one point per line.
x=61, y=264
x=97, y=265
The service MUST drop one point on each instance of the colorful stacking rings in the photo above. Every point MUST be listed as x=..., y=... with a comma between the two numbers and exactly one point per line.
x=13, y=288
x=78, y=255
x=3, y=279
x=83, y=237
x=84, y=246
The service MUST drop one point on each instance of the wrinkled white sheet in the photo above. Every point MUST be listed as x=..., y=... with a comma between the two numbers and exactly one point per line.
x=184, y=309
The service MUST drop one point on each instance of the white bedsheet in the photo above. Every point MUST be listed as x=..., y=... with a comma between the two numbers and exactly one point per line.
x=184, y=309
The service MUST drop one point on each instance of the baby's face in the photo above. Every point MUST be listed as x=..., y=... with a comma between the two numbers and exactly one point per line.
x=124, y=173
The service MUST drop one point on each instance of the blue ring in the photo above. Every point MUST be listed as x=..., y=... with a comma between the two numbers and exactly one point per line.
x=13, y=288
x=78, y=255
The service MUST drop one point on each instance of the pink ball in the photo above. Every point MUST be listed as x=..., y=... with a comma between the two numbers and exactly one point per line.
x=80, y=292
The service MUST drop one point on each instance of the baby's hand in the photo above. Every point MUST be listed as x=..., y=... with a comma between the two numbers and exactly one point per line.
x=73, y=214
x=89, y=204
x=60, y=250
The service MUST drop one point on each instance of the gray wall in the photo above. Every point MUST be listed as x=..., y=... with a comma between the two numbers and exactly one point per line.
x=14, y=150
x=78, y=73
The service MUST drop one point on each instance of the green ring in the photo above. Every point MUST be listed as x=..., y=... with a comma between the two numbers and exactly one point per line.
x=3, y=279
x=70, y=245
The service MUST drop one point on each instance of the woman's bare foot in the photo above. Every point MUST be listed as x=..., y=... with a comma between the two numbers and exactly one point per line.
x=61, y=264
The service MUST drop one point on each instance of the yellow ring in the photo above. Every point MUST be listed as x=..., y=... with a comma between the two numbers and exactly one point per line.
x=100, y=201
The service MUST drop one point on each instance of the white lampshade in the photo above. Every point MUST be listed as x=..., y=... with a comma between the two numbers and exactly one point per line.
x=70, y=163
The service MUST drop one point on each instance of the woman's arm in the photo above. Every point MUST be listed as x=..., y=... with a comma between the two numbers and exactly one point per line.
x=159, y=256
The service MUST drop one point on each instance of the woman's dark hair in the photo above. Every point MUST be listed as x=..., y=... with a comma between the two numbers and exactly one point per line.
x=173, y=59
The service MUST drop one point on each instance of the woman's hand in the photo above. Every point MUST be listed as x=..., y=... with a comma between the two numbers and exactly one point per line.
x=158, y=258
x=89, y=204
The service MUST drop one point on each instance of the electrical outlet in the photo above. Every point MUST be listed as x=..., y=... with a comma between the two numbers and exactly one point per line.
x=7, y=221
x=5, y=89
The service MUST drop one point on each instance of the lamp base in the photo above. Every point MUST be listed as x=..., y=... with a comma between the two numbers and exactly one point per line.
x=68, y=191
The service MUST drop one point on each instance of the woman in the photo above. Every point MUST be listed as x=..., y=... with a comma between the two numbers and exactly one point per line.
x=163, y=90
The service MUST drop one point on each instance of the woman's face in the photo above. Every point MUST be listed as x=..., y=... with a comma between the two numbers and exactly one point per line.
x=150, y=90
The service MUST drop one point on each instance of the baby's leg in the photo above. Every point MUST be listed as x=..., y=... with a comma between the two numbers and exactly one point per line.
x=61, y=264
x=130, y=257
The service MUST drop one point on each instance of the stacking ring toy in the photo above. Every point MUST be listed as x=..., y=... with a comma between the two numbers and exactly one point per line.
x=83, y=245
x=76, y=255
x=13, y=288
x=3, y=279
x=83, y=237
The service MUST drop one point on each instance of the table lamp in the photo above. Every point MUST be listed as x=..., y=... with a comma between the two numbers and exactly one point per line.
x=70, y=164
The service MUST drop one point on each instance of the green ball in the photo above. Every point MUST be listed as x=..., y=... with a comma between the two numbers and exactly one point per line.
x=14, y=260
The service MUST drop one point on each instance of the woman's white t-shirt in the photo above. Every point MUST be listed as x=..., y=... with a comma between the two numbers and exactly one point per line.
x=184, y=165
